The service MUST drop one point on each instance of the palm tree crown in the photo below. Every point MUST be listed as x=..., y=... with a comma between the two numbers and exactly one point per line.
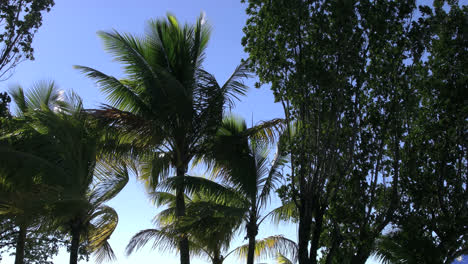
x=65, y=154
x=239, y=157
x=167, y=107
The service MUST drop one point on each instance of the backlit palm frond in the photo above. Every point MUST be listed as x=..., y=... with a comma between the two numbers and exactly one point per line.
x=42, y=95
x=267, y=131
x=119, y=93
x=210, y=224
x=273, y=177
x=130, y=51
x=209, y=189
x=286, y=212
x=165, y=240
x=104, y=221
x=133, y=128
x=110, y=178
x=156, y=168
x=234, y=86
x=213, y=209
x=282, y=259
x=165, y=217
x=104, y=253
x=162, y=199
x=17, y=93
x=269, y=247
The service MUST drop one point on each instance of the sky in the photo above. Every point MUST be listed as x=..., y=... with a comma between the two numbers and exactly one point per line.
x=68, y=37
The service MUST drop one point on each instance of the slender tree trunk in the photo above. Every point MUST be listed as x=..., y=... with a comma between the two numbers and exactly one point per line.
x=19, y=258
x=314, y=243
x=252, y=230
x=305, y=222
x=217, y=258
x=251, y=252
x=180, y=211
x=75, y=245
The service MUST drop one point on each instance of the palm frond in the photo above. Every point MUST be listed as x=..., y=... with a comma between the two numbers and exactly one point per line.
x=133, y=129
x=104, y=222
x=104, y=253
x=42, y=95
x=110, y=178
x=120, y=94
x=285, y=212
x=273, y=178
x=130, y=51
x=162, y=199
x=234, y=86
x=282, y=259
x=156, y=168
x=163, y=239
x=17, y=93
x=269, y=247
x=199, y=185
x=267, y=131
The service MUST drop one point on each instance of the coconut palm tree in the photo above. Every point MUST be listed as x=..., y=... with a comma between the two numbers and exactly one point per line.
x=69, y=141
x=210, y=224
x=91, y=180
x=167, y=106
x=27, y=170
x=240, y=158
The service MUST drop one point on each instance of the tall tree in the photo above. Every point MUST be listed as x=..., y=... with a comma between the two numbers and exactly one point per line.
x=19, y=21
x=92, y=179
x=435, y=197
x=240, y=158
x=61, y=145
x=167, y=107
x=25, y=190
x=341, y=71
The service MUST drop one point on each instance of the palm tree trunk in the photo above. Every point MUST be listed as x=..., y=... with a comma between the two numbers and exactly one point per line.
x=251, y=250
x=180, y=211
x=252, y=231
x=217, y=258
x=19, y=258
x=75, y=245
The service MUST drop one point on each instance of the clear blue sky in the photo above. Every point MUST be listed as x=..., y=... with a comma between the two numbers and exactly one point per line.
x=68, y=37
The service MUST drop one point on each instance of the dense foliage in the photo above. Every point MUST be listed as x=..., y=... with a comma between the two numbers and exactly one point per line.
x=372, y=91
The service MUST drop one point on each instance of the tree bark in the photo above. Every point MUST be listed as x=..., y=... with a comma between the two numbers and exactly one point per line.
x=75, y=245
x=180, y=211
x=314, y=243
x=305, y=222
x=19, y=257
x=252, y=231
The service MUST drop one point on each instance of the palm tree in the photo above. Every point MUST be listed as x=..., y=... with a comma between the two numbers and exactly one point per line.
x=240, y=158
x=92, y=180
x=167, y=107
x=210, y=224
x=25, y=190
x=70, y=142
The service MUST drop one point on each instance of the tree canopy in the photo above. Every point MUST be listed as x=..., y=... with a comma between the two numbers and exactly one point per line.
x=19, y=22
